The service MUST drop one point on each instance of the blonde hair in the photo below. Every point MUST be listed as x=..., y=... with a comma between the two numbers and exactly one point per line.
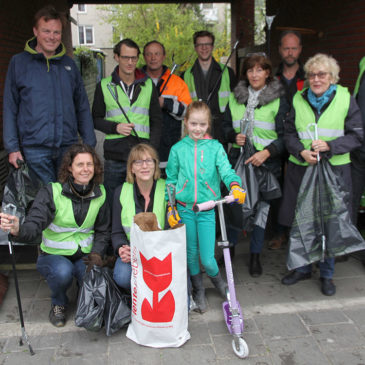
x=136, y=154
x=194, y=106
x=323, y=61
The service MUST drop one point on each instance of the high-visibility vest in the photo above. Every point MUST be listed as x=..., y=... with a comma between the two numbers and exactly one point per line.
x=362, y=69
x=64, y=236
x=264, y=132
x=129, y=205
x=331, y=123
x=224, y=88
x=138, y=112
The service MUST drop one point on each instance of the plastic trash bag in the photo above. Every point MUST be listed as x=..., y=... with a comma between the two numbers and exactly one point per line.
x=21, y=188
x=261, y=186
x=342, y=237
x=100, y=302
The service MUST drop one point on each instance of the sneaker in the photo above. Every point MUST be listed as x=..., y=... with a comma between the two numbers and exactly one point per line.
x=57, y=315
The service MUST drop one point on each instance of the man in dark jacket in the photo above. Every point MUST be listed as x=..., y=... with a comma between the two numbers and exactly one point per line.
x=127, y=110
x=45, y=103
x=202, y=80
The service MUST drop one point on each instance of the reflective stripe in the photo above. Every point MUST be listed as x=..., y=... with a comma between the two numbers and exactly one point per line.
x=113, y=113
x=222, y=108
x=67, y=245
x=265, y=125
x=330, y=133
x=53, y=227
x=262, y=141
x=236, y=124
x=142, y=128
x=127, y=229
x=193, y=94
x=140, y=110
x=224, y=94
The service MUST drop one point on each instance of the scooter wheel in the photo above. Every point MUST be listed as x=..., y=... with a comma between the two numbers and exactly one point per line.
x=240, y=347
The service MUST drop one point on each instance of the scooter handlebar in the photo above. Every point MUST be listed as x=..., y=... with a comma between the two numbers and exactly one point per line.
x=212, y=203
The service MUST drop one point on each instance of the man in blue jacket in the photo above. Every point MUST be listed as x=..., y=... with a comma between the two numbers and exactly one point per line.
x=45, y=103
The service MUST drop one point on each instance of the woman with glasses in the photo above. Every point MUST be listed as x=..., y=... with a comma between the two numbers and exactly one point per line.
x=338, y=118
x=144, y=191
x=258, y=106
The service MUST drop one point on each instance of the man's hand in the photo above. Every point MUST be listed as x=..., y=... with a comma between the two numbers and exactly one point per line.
x=125, y=253
x=258, y=158
x=309, y=156
x=13, y=157
x=9, y=223
x=92, y=259
x=173, y=216
x=320, y=146
x=240, y=139
x=125, y=128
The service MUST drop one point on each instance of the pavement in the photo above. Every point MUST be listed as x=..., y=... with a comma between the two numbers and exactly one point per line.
x=287, y=325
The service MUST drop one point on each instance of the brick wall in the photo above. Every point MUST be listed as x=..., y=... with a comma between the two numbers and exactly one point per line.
x=16, y=23
x=338, y=27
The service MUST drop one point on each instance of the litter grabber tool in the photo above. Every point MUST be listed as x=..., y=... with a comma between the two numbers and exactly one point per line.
x=231, y=307
x=320, y=193
x=174, y=68
x=243, y=128
x=11, y=210
x=114, y=94
x=221, y=74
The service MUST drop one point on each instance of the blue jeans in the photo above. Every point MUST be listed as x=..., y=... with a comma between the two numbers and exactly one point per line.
x=200, y=237
x=326, y=268
x=115, y=173
x=256, y=241
x=45, y=162
x=122, y=274
x=59, y=272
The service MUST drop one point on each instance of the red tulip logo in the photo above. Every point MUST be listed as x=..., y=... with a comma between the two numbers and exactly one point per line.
x=157, y=274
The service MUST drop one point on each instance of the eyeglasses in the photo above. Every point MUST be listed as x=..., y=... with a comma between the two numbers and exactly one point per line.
x=134, y=59
x=148, y=161
x=320, y=75
x=201, y=45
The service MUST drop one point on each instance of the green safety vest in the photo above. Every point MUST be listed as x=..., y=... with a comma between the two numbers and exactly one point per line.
x=264, y=132
x=362, y=69
x=129, y=205
x=331, y=123
x=223, y=92
x=63, y=236
x=138, y=112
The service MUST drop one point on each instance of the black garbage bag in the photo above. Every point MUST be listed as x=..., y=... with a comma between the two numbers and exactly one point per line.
x=260, y=185
x=21, y=187
x=100, y=302
x=91, y=300
x=117, y=313
x=342, y=237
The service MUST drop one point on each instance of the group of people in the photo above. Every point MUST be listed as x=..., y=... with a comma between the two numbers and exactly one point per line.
x=142, y=113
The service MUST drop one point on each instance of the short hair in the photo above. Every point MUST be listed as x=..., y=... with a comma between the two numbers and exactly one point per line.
x=136, y=154
x=259, y=59
x=48, y=12
x=203, y=33
x=152, y=42
x=323, y=61
x=198, y=105
x=64, y=174
x=127, y=42
x=290, y=31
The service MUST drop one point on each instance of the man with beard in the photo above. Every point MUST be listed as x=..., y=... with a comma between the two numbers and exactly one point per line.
x=290, y=71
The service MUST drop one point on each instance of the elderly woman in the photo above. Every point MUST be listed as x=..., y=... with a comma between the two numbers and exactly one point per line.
x=144, y=191
x=73, y=219
x=338, y=117
x=258, y=101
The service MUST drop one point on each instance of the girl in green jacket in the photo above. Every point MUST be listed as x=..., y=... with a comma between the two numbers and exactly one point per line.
x=196, y=166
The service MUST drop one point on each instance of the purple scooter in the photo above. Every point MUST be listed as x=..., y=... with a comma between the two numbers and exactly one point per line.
x=231, y=307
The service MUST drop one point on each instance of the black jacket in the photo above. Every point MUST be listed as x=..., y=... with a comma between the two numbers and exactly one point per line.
x=43, y=209
x=118, y=149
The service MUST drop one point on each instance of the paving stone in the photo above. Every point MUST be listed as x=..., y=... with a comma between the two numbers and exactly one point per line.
x=220, y=327
x=41, y=357
x=255, y=360
x=339, y=336
x=348, y=357
x=39, y=311
x=298, y=351
x=9, y=312
x=353, y=287
x=201, y=354
x=271, y=293
x=27, y=288
x=323, y=317
x=199, y=330
x=357, y=315
x=280, y=326
x=49, y=341
x=133, y=354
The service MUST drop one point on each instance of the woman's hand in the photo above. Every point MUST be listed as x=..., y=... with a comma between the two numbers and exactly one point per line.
x=320, y=146
x=258, y=158
x=9, y=223
x=309, y=156
x=125, y=253
x=240, y=139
